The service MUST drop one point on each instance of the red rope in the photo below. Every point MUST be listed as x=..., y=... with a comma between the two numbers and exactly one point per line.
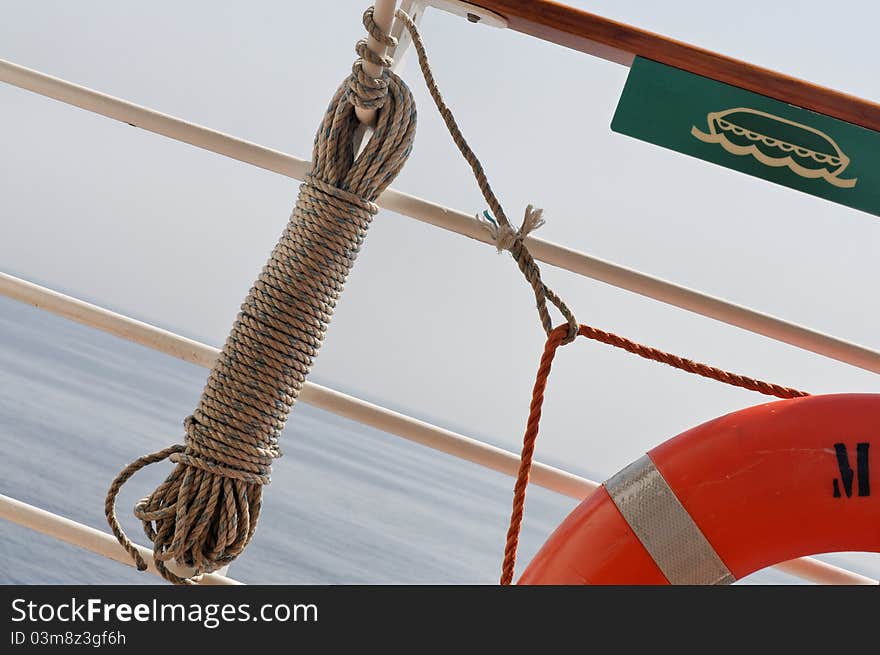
x=553, y=342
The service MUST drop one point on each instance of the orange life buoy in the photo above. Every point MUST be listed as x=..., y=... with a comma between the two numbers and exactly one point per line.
x=729, y=497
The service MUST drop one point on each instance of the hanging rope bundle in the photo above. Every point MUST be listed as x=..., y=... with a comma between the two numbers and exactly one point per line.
x=205, y=513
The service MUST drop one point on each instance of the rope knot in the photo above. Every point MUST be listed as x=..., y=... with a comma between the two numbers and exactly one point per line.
x=504, y=236
x=368, y=91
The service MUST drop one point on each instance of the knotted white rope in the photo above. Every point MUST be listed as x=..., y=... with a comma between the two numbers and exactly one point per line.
x=504, y=236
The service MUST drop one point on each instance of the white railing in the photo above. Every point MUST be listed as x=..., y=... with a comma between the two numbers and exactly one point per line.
x=355, y=409
x=338, y=403
x=449, y=219
x=77, y=534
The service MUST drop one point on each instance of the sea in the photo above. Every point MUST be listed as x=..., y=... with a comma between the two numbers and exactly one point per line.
x=347, y=504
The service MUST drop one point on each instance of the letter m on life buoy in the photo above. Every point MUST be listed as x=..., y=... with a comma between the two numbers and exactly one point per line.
x=846, y=471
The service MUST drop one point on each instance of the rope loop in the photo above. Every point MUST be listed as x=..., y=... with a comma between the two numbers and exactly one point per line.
x=375, y=31
x=557, y=337
x=368, y=91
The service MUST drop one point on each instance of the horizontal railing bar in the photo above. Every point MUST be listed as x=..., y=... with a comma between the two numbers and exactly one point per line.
x=454, y=444
x=649, y=286
x=338, y=403
x=105, y=544
x=83, y=536
x=153, y=121
x=108, y=321
x=809, y=568
x=450, y=219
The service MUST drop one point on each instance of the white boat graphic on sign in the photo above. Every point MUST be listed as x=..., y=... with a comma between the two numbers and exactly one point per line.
x=776, y=141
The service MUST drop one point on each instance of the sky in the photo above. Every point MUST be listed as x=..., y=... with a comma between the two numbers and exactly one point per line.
x=433, y=323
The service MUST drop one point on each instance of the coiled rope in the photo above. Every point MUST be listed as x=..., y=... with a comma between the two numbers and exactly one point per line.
x=557, y=338
x=205, y=513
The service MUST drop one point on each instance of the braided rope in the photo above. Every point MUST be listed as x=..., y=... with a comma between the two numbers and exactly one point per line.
x=205, y=513
x=557, y=337
x=506, y=237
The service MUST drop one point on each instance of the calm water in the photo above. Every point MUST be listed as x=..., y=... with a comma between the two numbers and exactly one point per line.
x=347, y=504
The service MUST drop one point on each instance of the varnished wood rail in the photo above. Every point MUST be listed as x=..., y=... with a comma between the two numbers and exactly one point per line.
x=619, y=42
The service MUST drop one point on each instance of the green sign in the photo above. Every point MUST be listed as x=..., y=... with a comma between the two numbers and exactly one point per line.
x=752, y=134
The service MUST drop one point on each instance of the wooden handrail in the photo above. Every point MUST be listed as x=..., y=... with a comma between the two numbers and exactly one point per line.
x=619, y=42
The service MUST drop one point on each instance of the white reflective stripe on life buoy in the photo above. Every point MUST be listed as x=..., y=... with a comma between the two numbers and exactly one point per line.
x=664, y=527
